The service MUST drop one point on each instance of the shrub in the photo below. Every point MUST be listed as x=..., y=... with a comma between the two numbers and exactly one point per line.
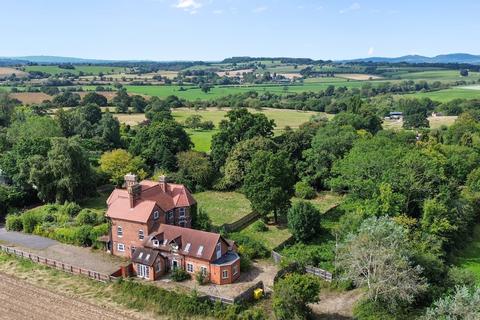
x=259, y=226
x=245, y=263
x=303, y=221
x=369, y=310
x=86, y=216
x=71, y=208
x=97, y=232
x=304, y=191
x=202, y=221
x=30, y=219
x=14, y=222
x=179, y=275
x=200, y=277
x=249, y=247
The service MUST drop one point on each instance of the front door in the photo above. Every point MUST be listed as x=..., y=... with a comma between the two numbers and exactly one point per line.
x=143, y=271
x=174, y=264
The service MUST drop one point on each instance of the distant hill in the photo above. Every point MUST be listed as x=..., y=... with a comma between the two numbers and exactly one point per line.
x=55, y=60
x=444, y=58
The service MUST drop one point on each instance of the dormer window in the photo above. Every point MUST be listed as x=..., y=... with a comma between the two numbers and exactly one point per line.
x=147, y=257
x=156, y=243
x=187, y=247
x=165, y=242
x=140, y=235
x=119, y=231
x=170, y=215
x=140, y=255
x=156, y=215
x=200, y=251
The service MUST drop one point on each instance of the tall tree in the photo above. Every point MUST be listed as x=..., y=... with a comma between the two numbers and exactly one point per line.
x=269, y=183
x=239, y=125
x=379, y=257
x=117, y=163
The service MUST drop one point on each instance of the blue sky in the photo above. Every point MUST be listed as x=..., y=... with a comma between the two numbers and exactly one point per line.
x=215, y=29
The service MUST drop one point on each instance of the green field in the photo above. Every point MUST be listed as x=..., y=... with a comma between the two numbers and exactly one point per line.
x=469, y=258
x=440, y=75
x=272, y=238
x=223, y=207
x=447, y=94
x=85, y=69
x=193, y=93
x=324, y=201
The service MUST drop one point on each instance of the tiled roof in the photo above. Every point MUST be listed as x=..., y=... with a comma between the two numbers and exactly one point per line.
x=145, y=256
x=176, y=195
x=189, y=241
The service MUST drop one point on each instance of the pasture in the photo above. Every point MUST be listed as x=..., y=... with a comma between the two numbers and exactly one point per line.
x=435, y=122
x=95, y=70
x=439, y=75
x=202, y=139
x=447, y=94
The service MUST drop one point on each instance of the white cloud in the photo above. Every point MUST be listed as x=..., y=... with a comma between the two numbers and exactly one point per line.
x=371, y=50
x=353, y=7
x=260, y=9
x=191, y=6
x=217, y=11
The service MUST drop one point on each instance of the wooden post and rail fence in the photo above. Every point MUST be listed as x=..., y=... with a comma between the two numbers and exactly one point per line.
x=58, y=264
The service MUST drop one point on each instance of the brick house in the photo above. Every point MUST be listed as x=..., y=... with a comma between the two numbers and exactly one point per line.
x=151, y=224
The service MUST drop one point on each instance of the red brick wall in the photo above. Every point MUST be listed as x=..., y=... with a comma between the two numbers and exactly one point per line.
x=130, y=236
x=216, y=275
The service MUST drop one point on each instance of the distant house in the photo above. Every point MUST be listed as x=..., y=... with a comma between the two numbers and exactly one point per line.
x=396, y=115
x=151, y=224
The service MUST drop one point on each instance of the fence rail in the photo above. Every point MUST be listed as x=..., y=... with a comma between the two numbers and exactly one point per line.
x=324, y=274
x=58, y=264
x=240, y=223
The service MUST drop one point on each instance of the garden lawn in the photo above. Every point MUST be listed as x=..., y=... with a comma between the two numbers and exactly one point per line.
x=223, y=207
x=272, y=238
x=469, y=258
x=324, y=201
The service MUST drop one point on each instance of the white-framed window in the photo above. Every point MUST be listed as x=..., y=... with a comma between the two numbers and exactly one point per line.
x=189, y=267
x=235, y=270
x=203, y=270
x=119, y=231
x=156, y=215
x=170, y=215
x=219, y=250
x=156, y=243
x=140, y=234
x=120, y=247
x=225, y=274
x=200, y=251
x=187, y=247
x=181, y=212
x=158, y=267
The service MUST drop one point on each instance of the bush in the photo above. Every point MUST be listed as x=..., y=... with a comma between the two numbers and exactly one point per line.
x=71, y=208
x=303, y=221
x=369, y=310
x=14, y=222
x=202, y=221
x=245, y=263
x=259, y=226
x=86, y=217
x=249, y=247
x=304, y=191
x=30, y=219
x=97, y=232
x=200, y=277
x=179, y=275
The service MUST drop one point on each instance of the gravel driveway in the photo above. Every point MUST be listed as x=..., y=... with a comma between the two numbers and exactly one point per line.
x=25, y=240
x=86, y=258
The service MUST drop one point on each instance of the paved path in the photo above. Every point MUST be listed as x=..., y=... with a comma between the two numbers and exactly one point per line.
x=26, y=240
x=86, y=258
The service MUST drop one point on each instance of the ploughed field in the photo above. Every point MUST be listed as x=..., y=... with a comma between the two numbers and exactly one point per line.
x=21, y=300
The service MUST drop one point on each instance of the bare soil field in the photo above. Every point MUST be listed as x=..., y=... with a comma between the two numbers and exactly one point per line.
x=31, y=97
x=39, y=303
x=107, y=94
x=291, y=76
x=6, y=72
x=357, y=76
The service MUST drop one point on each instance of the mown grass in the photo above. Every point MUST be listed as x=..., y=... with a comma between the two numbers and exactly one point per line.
x=469, y=258
x=223, y=207
x=273, y=237
x=324, y=201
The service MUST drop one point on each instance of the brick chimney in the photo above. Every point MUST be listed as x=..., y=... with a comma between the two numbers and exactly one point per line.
x=133, y=187
x=162, y=181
